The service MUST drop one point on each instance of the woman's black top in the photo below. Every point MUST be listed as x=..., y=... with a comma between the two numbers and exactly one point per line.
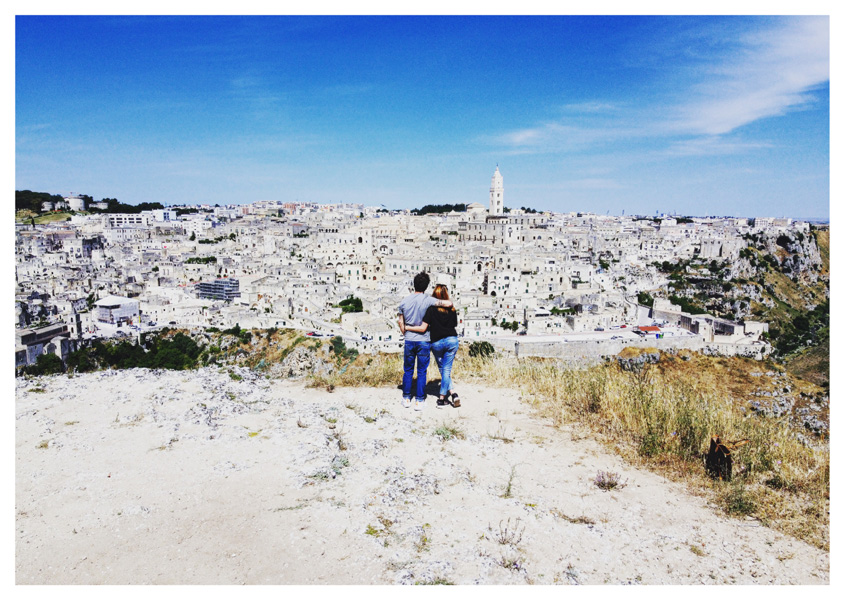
x=441, y=325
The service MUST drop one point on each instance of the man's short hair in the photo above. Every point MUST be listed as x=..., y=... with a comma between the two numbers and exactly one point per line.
x=421, y=282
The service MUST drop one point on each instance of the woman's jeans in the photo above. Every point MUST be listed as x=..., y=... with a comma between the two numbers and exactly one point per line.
x=444, y=353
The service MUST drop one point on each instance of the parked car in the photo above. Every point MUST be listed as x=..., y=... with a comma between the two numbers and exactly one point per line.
x=314, y=334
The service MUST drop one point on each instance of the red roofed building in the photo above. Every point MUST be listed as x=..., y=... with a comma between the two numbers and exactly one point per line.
x=647, y=329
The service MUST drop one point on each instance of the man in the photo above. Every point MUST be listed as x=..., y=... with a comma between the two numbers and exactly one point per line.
x=417, y=345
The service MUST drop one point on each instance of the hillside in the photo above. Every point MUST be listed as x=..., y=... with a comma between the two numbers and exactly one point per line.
x=658, y=410
x=782, y=280
x=223, y=475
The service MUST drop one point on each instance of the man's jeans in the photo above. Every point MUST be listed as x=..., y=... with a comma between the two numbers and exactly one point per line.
x=444, y=351
x=419, y=353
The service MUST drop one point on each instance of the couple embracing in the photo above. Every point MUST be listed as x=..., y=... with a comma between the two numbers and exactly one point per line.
x=428, y=323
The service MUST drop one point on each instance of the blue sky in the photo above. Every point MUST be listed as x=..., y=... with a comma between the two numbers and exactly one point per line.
x=693, y=115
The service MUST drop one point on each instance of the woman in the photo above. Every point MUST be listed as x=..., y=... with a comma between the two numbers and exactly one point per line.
x=441, y=322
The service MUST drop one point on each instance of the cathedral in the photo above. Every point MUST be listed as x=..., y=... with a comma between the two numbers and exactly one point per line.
x=499, y=227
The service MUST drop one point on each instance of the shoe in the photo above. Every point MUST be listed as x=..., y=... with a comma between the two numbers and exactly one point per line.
x=456, y=402
x=419, y=405
x=406, y=403
x=442, y=402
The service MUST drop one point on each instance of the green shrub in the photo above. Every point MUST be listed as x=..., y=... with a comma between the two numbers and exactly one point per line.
x=645, y=299
x=351, y=304
x=82, y=361
x=338, y=347
x=481, y=349
x=45, y=364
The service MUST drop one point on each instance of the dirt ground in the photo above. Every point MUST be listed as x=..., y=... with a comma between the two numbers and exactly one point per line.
x=150, y=477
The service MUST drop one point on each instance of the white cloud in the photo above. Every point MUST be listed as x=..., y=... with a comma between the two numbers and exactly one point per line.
x=712, y=145
x=561, y=137
x=774, y=73
x=590, y=107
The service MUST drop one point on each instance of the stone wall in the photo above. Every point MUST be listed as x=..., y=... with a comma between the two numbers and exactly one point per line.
x=600, y=348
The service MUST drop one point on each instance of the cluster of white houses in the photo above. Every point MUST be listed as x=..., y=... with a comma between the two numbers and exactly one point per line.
x=272, y=264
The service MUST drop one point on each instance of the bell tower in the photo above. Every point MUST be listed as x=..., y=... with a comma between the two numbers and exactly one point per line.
x=497, y=194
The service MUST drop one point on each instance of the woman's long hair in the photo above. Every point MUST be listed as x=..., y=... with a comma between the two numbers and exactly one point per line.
x=441, y=293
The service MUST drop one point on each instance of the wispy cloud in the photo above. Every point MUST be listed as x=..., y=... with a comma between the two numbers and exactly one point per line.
x=565, y=137
x=253, y=89
x=712, y=145
x=768, y=73
x=259, y=100
x=34, y=127
x=590, y=107
x=774, y=73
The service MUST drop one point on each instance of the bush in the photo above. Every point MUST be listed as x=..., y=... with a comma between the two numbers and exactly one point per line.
x=481, y=349
x=201, y=260
x=170, y=358
x=82, y=361
x=338, y=347
x=645, y=299
x=45, y=364
x=351, y=304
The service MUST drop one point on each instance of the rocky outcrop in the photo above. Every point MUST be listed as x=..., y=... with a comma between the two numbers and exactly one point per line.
x=300, y=362
x=636, y=363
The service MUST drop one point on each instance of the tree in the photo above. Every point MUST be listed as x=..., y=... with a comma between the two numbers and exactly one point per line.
x=32, y=201
x=193, y=236
x=439, y=209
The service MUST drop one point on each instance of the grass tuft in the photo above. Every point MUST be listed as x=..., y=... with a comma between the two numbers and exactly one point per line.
x=607, y=481
x=447, y=432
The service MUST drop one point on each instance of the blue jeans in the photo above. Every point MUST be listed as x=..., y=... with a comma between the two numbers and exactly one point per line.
x=444, y=353
x=419, y=353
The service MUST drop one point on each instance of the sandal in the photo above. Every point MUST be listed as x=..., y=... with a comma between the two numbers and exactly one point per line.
x=456, y=402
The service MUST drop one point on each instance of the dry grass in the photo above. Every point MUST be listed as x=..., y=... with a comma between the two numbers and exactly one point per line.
x=272, y=348
x=812, y=365
x=665, y=419
x=662, y=418
x=365, y=371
